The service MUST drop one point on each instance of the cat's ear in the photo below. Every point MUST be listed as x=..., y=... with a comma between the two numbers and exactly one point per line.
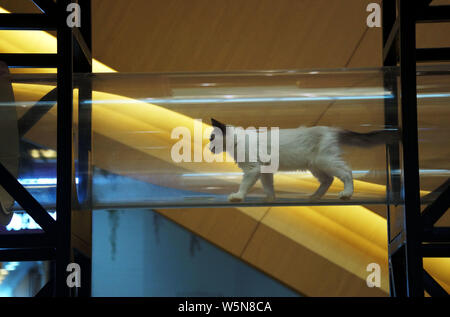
x=219, y=125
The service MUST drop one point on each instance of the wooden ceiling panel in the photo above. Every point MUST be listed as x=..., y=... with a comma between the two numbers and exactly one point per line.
x=211, y=35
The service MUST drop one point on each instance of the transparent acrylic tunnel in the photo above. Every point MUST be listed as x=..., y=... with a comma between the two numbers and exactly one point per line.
x=134, y=115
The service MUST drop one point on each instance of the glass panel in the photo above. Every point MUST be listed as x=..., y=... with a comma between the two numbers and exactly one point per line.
x=138, y=120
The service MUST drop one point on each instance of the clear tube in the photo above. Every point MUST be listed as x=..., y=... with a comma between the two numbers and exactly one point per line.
x=134, y=117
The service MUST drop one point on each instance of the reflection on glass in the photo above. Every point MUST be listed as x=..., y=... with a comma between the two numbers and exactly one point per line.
x=23, y=279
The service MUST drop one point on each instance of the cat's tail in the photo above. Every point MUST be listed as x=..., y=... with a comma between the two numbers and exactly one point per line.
x=368, y=139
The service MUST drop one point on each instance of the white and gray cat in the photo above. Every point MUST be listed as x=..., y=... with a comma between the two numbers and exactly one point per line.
x=317, y=149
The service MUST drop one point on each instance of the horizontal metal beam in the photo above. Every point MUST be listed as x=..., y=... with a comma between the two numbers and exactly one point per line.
x=433, y=54
x=26, y=200
x=26, y=21
x=432, y=287
x=30, y=60
x=24, y=240
x=436, y=234
x=436, y=250
x=42, y=254
x=433, y=14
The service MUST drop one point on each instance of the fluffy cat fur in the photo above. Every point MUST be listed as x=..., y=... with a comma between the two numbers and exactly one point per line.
x=317, y=149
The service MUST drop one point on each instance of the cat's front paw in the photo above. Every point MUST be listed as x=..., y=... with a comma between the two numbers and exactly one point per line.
x=345, y=196
x=269, y=198
x=235, y=197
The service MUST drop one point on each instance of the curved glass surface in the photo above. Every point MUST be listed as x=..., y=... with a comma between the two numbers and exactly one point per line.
x=137, y=119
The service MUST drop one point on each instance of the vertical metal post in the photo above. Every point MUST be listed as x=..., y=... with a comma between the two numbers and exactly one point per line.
x=64, y=148
x=83, y=64
x=410, y=149
x=393, y=184
x=85, y=110
x=391, y=106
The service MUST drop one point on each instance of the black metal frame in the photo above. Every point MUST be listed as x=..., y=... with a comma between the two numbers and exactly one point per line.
x=73, y=54
x=411, y=235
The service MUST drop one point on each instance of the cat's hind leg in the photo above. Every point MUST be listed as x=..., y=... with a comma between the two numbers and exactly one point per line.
x=267, y=182
x=249, y=179
x=344, y=173
x=325, y=183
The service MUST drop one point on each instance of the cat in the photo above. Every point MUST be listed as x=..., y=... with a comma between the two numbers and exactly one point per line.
x=317, y=149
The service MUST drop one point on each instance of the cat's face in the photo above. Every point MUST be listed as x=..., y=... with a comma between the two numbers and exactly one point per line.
x=217, y=135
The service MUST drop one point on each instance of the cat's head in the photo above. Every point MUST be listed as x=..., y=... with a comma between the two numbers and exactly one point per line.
x=219, y=132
